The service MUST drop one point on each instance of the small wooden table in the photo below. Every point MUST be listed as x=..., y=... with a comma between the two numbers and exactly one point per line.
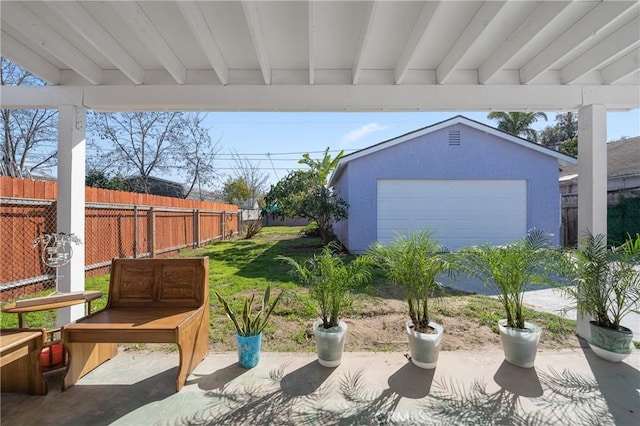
x=20, y=360
x=89, y=296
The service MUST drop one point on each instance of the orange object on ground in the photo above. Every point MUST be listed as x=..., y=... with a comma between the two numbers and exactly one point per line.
x=51, y=355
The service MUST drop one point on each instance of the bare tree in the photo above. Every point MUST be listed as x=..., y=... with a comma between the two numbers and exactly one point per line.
x=141, y=141
x=251, y=174
x=198, y=152
x=30, y=136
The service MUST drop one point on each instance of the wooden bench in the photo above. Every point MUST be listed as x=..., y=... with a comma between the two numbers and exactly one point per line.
x=150, y=301
x=20, y=360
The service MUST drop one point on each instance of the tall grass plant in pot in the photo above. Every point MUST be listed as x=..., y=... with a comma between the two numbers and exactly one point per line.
x=509, y=270
x=607, y=288
x=331, y=280
x=414, y=261
x=249, y=326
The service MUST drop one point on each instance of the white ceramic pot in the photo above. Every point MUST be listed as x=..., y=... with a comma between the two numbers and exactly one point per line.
x=330, y=343
x=520, y=346
x=424, y=347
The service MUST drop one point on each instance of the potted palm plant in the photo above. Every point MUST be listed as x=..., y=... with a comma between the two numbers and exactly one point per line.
x=607, y=288
x=331, y=281
x=415, y=261
x=509, y=270
x=249, y=326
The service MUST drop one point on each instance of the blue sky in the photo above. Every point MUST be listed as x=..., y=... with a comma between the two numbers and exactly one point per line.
x=275, y=141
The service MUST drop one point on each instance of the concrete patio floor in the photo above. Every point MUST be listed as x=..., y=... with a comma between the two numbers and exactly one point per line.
x=467, y=388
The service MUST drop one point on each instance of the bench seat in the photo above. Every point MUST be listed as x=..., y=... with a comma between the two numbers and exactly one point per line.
x=150, y=301
x=135, y=323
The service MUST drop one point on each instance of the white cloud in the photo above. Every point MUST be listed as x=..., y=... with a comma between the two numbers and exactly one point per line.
x=361, y=132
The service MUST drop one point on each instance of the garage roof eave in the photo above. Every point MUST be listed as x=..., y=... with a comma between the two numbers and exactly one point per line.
x=563, y=159
x=337, y=172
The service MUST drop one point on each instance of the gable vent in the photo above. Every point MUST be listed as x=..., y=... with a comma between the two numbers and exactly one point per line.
x=454, y=137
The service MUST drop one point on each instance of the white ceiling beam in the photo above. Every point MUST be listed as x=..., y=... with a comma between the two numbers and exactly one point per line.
x=79, y=19
x=334, y=97
x=141, y=25
x=539, y=19
x=364, y=39
x=323, y=98
x=360, y=97
x=623, y=67
x=312, y=40
x=33, y=28
x=193, y=15
x=255, y=29
x=415, y=40
x=27, y=59
x=34, y=97
x=617, y=44
x=611, y=97
x=469, y=36
x=305, y=97
x=600, y=17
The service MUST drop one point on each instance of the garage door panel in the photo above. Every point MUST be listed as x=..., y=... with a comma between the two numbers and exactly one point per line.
x=460, y=212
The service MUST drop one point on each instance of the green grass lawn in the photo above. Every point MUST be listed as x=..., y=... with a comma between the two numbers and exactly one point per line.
x=239, y=268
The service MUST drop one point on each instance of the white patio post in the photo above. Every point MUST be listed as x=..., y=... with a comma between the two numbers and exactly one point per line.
x=592, y=180
x=70, y=215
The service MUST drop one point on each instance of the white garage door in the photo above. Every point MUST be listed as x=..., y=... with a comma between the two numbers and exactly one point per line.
x=460, y=212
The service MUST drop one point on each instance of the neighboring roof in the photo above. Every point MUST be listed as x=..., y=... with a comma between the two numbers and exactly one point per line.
x=158, y=186
x=563, y=160
x=623, y=159
x=249, y=204
x=154, y=179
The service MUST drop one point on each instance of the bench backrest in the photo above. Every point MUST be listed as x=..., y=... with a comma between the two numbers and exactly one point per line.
x=140, y=283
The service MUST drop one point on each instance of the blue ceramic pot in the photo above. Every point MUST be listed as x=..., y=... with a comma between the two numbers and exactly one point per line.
x=249, y=350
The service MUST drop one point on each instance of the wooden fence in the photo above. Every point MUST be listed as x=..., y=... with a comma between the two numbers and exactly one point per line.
x=569, y=227
x=117, y=224
x=623, y=216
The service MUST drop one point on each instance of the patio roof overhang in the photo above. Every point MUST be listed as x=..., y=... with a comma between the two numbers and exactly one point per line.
x=325, y=56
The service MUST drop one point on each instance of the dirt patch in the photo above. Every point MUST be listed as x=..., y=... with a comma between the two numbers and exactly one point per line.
x=380, y=327
x=377, y=324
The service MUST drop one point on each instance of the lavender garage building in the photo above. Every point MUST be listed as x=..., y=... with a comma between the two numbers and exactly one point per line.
x=468, y=182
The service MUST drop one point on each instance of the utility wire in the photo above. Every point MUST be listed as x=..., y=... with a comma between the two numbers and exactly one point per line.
x=272, y=166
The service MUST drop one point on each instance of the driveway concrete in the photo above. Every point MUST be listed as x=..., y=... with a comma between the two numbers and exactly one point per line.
x=467, y=388
x=552, y=301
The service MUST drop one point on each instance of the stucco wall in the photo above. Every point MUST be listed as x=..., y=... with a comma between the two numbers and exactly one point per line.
x=479, y=156
x=341, y=228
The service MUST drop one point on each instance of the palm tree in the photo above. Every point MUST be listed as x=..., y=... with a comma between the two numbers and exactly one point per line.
x=518, y=123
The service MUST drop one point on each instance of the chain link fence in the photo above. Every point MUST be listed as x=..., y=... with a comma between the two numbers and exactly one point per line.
x=111, y=230
x=22, y=270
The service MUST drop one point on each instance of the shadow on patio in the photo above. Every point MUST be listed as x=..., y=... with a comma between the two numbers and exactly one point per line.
x=567, y=386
